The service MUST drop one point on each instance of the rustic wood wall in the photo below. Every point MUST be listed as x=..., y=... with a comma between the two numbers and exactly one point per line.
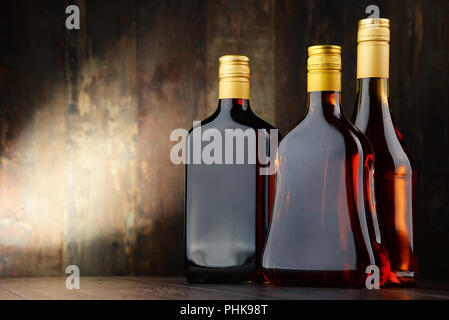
x=85, y=117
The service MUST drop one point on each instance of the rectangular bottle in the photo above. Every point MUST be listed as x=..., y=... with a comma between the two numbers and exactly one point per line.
x=324, y=228
x=228, y=200
x=395, y=173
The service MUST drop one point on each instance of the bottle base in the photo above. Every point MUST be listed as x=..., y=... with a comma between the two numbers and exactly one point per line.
x=402, y=278
x=240, y=275
x=342, y=279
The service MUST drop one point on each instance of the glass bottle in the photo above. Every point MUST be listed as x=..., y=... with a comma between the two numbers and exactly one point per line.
x=324, y=227
x=228, y=201
x=395, y=172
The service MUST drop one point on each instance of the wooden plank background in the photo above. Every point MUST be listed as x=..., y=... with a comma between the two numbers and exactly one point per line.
x=85, y=117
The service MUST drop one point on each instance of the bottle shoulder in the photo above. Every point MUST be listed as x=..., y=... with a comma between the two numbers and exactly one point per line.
x=390, y=149
x=250, y=119
x=338, y=131
x=365, y=143
x=394, y=161
x=235, y=119
x=206, y=121
x=391, y=153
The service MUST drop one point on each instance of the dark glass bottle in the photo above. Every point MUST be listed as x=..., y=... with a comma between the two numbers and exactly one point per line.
x=228, y=205
x=324, y=228
x=395, y=172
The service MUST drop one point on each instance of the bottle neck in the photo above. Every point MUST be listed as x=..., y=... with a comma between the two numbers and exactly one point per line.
x=377, y=88
x=228, y=105
x=372, y=102
x=325, y=104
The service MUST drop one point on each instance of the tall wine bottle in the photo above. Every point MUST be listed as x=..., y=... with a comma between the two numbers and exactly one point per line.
x=228, y=202
x=395, y=173
x=324, y=228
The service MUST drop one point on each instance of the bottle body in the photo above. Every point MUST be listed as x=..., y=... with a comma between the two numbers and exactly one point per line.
x=227, y=205
x=395, y=177
x=324, y=228
x=228, y=197
x=320, y=228
x=395, y=172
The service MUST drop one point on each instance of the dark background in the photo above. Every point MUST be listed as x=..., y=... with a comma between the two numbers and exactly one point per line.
x=85, y=117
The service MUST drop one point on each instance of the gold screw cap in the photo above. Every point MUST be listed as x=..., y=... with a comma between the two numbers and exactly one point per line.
x=374, y=29
x=324, y=68
x=324, y=57
x=233, y=74
x=234, y=66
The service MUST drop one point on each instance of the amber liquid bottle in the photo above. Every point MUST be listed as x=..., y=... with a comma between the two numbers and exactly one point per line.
x=228, y=202
x=324, y=228
x=395, y=172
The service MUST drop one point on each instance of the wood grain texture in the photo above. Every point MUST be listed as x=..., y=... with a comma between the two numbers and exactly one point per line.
x=6, y=294
x=101, y=116
x=171, y=92
x=158, y=288
x=298, y=25
x=85, y=117
x=421, y=80
x=244, y=28
x=32, y=143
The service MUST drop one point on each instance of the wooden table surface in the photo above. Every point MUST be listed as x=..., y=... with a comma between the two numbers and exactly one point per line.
x=178, y=288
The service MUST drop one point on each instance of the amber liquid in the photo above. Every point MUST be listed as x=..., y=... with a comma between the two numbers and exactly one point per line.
x=227, y=206
x=395, y=177
x=324, y=228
